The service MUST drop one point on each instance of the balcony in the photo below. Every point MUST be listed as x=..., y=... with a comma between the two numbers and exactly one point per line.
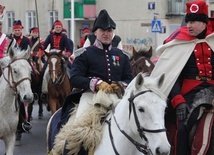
x=176, y=8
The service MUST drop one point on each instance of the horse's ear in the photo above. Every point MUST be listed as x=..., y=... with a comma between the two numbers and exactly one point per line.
x=161, y=80
x=60, y=52
x=47, y=53
x=139, y=81
x=11, y=51
x=150, y=51
x=27, y=53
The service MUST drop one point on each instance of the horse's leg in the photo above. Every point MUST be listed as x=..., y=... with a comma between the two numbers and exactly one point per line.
x=29, y=111
x=10, y=143
x=40, y=112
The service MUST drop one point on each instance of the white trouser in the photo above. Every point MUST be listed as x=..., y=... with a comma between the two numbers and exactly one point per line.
x=85, y=103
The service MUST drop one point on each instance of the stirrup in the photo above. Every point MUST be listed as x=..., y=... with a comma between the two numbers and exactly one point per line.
x=43, y=96
x=26, y=126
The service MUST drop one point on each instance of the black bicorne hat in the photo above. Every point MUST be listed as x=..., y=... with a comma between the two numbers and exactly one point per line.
x=103, y=21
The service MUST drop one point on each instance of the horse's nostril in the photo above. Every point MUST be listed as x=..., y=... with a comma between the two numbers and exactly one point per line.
x=158, y=151
x=25, y=97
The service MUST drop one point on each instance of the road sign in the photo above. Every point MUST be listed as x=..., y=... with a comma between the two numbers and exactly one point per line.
x=156, y=26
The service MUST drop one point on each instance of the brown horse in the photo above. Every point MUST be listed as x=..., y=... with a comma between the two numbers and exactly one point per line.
x=58, y=85
x=140, y=61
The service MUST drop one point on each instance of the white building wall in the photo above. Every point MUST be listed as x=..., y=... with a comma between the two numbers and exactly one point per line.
x=131, y=16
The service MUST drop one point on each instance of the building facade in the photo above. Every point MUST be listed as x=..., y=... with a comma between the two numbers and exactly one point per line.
x=140, y=23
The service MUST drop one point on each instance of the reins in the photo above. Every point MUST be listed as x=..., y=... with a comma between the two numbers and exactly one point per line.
x=14, y=84
x=144, y=148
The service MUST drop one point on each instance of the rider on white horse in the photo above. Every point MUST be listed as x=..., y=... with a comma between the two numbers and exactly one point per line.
x=100, y=66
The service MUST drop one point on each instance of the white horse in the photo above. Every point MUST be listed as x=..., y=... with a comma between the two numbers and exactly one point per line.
x=14, y=81
x=135, y=126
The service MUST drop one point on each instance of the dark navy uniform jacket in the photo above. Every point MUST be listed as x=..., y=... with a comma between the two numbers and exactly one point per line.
x=97, y=63
x=58, y=41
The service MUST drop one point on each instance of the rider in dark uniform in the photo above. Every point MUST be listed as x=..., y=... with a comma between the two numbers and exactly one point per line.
x=100, y=66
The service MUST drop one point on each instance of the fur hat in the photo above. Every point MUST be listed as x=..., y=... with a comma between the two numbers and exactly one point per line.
x=197, y=11
x=57, y=22
x=103, y=21
x=17, y=24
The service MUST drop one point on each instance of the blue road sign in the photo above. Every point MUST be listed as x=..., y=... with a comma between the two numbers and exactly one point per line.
x=156, y=26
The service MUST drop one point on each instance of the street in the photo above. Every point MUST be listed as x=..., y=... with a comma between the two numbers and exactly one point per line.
x=33, y=143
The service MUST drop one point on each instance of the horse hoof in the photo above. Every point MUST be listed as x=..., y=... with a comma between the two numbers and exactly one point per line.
x=18, y=139
x=40, y=115
x=48, y=108
x=18, y=143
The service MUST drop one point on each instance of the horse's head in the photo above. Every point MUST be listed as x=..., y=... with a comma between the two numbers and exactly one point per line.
x=56, y=67
x=146, y=112
x=141, y=62
x=17, y=72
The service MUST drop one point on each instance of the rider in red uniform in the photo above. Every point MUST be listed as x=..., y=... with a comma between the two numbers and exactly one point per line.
x=187, y=59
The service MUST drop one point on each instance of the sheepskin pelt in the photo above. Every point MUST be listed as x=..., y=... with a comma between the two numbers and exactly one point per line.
x=204, y=99
x=84, y=131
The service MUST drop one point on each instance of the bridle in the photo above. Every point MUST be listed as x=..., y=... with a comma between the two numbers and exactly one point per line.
x=13, y=84
x=144, y=148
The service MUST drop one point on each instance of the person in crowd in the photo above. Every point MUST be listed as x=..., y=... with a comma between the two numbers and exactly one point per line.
x=21, y=40
x=85, y=33
x=23, y=43
x=187, y=59
x=4, y=42
x=70, y=42
x=91, y=37
x=57, y=39
x=114, y=72
x=37, y=52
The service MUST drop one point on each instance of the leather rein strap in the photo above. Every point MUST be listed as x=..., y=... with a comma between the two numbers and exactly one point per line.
x=14, y=84
x=144, y=148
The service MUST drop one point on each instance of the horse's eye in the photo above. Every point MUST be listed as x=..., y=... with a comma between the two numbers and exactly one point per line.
x=141, y=110
x=14, y=71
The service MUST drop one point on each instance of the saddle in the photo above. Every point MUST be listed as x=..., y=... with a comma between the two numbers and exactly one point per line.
x=199, y=120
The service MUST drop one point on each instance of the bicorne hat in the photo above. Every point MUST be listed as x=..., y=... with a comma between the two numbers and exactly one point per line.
x=17, y=24
x=103, y=21
x=197, y=11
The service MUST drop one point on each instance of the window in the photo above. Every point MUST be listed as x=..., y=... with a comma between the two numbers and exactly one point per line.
x=176, y=7
x=30, y=20
x=53, y=16
x=10, y=17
